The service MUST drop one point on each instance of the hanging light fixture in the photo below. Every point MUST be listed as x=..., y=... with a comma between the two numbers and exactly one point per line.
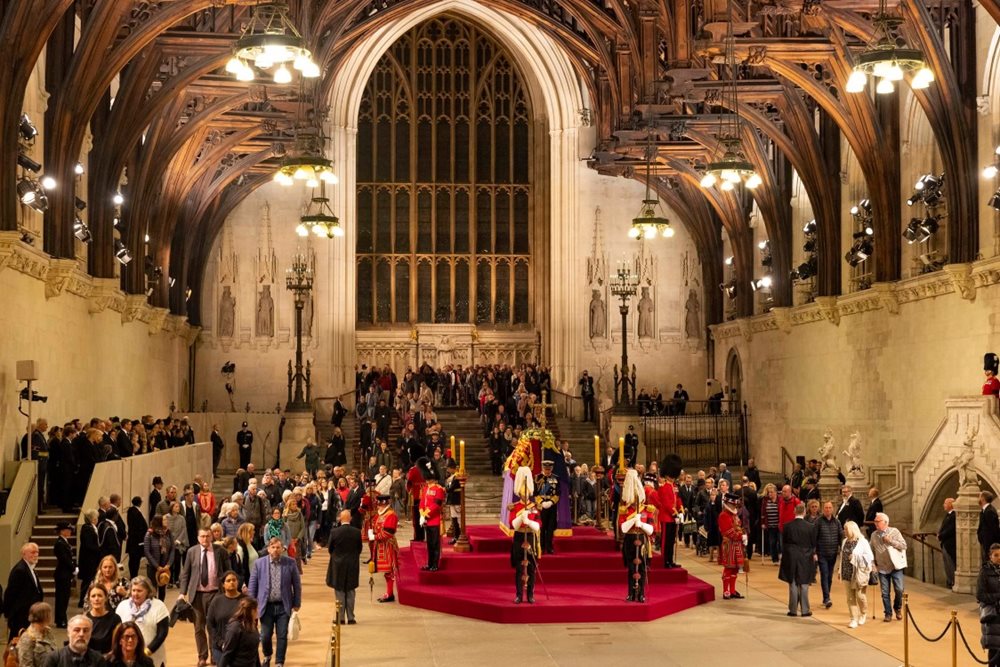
x=649, y=223
x=732, y=168
x=270, y=39
x=319, y=218
x=887, y=59
x=306, y=161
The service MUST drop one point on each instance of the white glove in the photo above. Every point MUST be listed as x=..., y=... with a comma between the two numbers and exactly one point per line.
x=518, y=521
x=745, y=540
x=546, y=504
x=371, y=535
x=628, y=524
x=645, y=527
x=423, y=521
x=534, y=525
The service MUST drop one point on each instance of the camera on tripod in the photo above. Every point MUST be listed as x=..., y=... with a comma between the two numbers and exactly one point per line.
x=35, y=396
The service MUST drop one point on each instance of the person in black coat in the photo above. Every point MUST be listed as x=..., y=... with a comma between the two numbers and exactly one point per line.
x=218, y=446
x=88, y=552
x=23, y=590
x=155, y=497
x=988, y=594
x=336, y=454
x=339, y=412
x=137, y=528
x=67, y=471
x=342, y=571
x=850, y=508
x=798, y=560
x=244, y=439
x=873, y=508
x=108, y=534
x=988, y=530
x=65, y=568
x=946, y=537
x=240, y=646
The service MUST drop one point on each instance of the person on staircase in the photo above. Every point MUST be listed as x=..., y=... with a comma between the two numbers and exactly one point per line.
x=635, y=521
x=65, y=569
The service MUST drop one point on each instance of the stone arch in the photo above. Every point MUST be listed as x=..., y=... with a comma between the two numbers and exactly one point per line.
x=991, y=83
x=734, y=377
x=557, y=95
x=932, y=512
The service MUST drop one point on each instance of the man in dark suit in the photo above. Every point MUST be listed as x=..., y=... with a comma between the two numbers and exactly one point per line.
x=873, y=508
x=275, y=607
x=137, y=528
x=218, y=446
x=123, y=441
x=155, y=496
x=65, y=570
x=345, y=561
x=201, y=579
x=988, y=530
x=23, y=590
x=946, y=537
x=587, y=395
x=798, y=560
x=353, y=502
x=631, y=446
x=244, y=439
x=850, y=508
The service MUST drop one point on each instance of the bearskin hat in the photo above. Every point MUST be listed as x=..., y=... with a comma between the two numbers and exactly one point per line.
x=671, y=466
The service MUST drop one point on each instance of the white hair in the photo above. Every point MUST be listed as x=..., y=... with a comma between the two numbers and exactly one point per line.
x=882, y=516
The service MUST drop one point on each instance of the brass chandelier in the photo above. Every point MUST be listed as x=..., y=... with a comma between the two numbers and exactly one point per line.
x=887, y=60
x=732, y=167
x=649, y=224
x=270, y=39
x=319, y=217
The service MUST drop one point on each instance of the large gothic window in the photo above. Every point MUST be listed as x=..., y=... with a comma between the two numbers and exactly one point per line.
x=444, y=196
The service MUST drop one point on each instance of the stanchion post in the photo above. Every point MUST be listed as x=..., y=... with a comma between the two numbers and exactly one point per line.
x=906, y=630
x=462, y=545
x=954, y=638
x=335, y=636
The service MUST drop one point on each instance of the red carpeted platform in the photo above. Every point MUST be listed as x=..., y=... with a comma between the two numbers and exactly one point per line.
x=584, y=582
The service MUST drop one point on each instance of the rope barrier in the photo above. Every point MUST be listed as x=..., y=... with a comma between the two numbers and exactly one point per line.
x=920, y=632
x=961, y=634
x=953, y=625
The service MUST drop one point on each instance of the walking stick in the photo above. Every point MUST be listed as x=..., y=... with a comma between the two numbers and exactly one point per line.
x=538, y=573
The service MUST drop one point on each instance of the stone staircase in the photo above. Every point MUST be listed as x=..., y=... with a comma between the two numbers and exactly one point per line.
x=580, y=435
x=352, y=436
x=44, y=535
x=483, y=491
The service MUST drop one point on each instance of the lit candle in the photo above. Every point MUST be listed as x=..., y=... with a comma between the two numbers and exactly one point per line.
x=597, y=450
x=621, y=452
x=461, y=455
x=451, y=447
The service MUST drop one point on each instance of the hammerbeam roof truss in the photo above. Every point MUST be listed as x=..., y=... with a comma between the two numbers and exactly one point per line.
x=194, y=142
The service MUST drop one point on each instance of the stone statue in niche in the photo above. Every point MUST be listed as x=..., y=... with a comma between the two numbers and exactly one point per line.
x=265, y=313
x=692, y=317
x=227, y=313
x=307, y=316
x=646, y=328
x=598, y=316
x=964, y=462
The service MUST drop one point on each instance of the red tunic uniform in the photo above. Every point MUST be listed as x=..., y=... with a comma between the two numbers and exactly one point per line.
x=386, y=548
x=991, y=387
x=731, y=552
x=432, y=499
x=367, y=512
x=414, y=483
x=669, y=503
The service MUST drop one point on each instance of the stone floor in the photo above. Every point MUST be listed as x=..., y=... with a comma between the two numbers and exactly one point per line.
x=756, y=629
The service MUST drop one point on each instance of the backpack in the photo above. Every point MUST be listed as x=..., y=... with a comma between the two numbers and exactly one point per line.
x=10, y=653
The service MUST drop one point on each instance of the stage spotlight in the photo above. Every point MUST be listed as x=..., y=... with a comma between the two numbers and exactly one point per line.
x=78, y=169
x=729, y=260
x=809, y=246
x=80, y=204
x=48, y=183
x=729, y=289
x=81, y=231
x=122, y=253
x=118, y=199
x=994, y=202
x=26, y=128
x=28, y=164
x=30, y=193
x=810, y=227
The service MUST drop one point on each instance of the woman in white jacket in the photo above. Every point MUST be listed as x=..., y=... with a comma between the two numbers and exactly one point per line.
x=856, y=563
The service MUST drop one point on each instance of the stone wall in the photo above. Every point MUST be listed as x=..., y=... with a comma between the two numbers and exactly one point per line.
x=99, y=352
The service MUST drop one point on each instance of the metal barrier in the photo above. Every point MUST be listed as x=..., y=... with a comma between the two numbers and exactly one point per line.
x=701, y=437
x=953, y=625
x=334, y=657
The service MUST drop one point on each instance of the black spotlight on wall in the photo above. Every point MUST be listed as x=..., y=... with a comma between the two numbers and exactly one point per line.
x=994, y=202
x=30, y=193
x=729, y=289
x=26, y=128
x=80, y=204
x=28, y=164
x=81, y=231
x=805, y=270
x=861, y=250
x=122, y=253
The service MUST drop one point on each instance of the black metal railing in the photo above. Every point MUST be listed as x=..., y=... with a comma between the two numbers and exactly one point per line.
x=705, y=434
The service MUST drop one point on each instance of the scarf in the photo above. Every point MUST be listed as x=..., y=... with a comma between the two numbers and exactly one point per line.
x=139, y=613
x=274, y=528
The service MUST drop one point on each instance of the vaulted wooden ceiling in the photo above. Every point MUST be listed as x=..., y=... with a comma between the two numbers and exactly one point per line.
x=195, y=142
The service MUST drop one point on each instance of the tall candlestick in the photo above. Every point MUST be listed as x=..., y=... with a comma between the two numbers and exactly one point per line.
x=461, y=455
x=451, y=446
x=597, y=450
x=621, y=453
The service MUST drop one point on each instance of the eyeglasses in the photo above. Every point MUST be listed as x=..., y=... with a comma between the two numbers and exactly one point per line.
x=129, y=638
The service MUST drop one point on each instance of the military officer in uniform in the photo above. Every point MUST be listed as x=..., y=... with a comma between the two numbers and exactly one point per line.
x=991, y=364
x=245, y=441
x=383, y=535
x=65, y=570
x=523, y=517
x=546, y=497
x=432, y=498
x=631, y=447
x=635, y=520
x=734, y=541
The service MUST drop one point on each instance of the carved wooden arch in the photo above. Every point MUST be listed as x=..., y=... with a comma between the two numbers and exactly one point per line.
x=733, y=219
x=24, y=29
x=777, y=217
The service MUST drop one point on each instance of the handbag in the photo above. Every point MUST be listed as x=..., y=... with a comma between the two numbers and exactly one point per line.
x=292, y=548
x=872, y=578
x=294, y=626
x=163, y=575
x=988, y=613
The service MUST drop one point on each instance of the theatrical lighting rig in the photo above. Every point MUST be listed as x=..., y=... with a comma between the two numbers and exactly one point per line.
x=81, y=231
x=27, y=129
x=888, y=59
x=864, y=238
x=927, y=190
x=122, y=253
x=808, y=268
x=271, y=39
x=991, y=171
x=921, y=229
x=31, y=193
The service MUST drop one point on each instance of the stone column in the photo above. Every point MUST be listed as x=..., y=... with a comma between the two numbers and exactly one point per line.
x=829, y=487
x=968, y=556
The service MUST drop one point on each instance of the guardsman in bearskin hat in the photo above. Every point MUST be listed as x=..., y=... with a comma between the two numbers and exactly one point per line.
x=383, y=535
x=432, y=498
x=991, y=366
x=635, y=521
x=671, y=508
x=546, y=497
x=524, y=520
x=734, y=539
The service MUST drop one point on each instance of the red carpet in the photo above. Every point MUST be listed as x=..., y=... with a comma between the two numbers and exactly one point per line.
x=584, y=582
